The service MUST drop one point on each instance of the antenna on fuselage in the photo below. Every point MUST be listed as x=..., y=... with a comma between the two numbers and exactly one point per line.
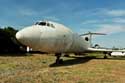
x=90, y=36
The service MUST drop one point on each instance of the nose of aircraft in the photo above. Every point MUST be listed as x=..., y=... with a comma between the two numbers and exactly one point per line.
x=28, y=36
x=19, y=36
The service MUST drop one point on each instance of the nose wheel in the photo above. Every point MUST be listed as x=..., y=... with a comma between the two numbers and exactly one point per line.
x=58, y=60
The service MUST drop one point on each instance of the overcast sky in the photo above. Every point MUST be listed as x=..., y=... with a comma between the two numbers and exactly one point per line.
x=106, y=16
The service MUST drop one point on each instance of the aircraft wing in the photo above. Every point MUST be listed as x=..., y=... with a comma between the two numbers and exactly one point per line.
x=104, y=50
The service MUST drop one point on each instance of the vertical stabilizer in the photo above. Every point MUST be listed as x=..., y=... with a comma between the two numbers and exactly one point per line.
x=90, y=34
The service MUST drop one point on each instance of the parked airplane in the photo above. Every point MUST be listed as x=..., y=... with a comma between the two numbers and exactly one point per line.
x=52, y=37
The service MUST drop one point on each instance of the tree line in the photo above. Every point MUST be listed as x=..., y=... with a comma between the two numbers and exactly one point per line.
x=8, y=41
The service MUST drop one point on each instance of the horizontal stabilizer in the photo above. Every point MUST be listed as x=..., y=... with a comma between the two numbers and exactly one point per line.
x=90, y=33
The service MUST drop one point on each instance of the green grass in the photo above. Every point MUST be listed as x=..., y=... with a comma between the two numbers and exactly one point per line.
x=40, y=69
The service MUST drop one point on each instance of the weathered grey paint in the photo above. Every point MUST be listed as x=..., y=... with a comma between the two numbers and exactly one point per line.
x=57, y=39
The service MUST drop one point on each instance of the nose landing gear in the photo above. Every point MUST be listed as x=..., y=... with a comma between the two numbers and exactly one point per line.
x=58, y=60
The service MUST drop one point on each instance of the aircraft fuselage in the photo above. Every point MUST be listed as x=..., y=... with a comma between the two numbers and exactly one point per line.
x=52, y=38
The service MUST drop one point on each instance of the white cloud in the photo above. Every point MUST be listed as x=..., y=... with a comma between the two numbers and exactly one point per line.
x=53, y=18
x=90, y=22
x=104, y=16
x=31, y=12
x=116, y=12
x=27, y=12
x=110, y=29
x=105, y=12
x=118, y=20
x=105, y=21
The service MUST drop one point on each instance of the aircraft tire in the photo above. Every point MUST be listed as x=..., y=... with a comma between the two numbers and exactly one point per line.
x=105, y=57
x=61, y=61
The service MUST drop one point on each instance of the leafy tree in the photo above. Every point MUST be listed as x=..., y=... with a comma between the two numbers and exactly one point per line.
x=8, y=42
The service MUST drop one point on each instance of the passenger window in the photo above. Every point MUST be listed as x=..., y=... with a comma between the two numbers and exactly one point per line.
x=52, y=26
x=48, y=24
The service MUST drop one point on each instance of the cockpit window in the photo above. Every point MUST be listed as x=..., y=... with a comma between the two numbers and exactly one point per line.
x=41, y=23
x=45, y=24
x=37, y=23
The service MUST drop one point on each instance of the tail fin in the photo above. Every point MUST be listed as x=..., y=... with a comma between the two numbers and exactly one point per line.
x=90, y=36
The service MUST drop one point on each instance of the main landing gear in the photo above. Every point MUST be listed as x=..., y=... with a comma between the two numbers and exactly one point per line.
x=105, y=55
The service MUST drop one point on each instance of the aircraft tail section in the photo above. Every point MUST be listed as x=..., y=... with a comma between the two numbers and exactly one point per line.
x=89, y=37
